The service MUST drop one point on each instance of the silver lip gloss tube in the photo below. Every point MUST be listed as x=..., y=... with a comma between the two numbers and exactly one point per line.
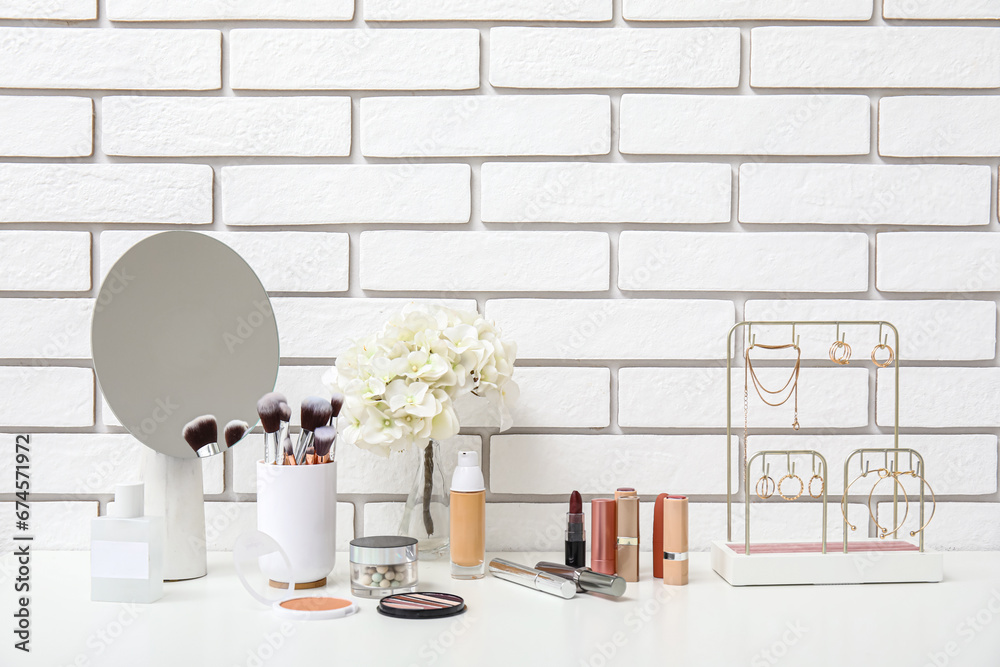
x=585, y=579
x=532, y=578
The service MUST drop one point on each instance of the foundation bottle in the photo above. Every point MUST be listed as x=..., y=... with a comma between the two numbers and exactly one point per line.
x=468, y=519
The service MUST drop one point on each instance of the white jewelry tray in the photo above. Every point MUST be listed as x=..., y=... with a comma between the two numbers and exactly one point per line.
x=867, y=562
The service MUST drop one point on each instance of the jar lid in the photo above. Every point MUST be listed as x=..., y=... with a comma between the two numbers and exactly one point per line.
x=383, y=550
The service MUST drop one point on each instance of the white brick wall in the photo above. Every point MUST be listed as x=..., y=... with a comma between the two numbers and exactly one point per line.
x=853, y=194
x=940, y=9
x=501, y=125
x=334, y=59
x=728, y=10
x=284, y=261
x=586, y=192
x=537, y=463
x=745, y=125
x=941, y=397
x=930, y=330
x=487, y=10
x=211, y=10
x=615, y=183
x=47, y=126
x=622, y=58
x=61, y=10
x=44, y=261
x=322, y=327
x=695, y=261
x=313, y=195
x=168, y=126
x=829, y=398
x=112, y=59
x=947, y=262
x=614, y=329
x=911, y=57
x=485, y=261
x=161, y=193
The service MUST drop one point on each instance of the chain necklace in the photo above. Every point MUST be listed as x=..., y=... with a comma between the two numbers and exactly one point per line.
x=750, y=374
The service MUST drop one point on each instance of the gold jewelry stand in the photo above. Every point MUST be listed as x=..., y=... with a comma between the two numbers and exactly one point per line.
x=871, y=561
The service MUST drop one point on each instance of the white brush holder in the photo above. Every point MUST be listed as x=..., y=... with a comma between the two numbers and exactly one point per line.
x=174, y=490
x=297, y=506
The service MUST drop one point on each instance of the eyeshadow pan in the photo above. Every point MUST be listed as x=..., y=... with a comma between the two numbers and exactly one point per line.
x=315, y=604
x=421, y=605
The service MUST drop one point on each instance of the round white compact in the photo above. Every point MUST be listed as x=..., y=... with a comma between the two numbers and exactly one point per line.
x=256, y=552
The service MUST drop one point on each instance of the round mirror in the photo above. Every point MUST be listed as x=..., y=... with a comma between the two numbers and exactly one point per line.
x=182, y=329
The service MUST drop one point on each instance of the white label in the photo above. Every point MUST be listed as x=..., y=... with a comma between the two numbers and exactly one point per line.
x=119, y=560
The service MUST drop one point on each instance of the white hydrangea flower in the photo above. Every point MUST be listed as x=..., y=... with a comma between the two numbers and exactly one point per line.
x=400, y=384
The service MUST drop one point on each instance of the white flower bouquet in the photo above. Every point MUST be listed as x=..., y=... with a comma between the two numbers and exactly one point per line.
x=400, y=385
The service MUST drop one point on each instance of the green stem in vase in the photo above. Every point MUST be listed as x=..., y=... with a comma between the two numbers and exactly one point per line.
x=428, y=483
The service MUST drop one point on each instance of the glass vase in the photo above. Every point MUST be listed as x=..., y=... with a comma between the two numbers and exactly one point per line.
x=426, y=514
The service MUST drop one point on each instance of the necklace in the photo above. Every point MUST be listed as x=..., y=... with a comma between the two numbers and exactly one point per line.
x=749, y=374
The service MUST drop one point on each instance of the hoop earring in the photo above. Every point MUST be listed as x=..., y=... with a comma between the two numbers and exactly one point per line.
x=840, y=353
x=887, y=362
x=881, y=530
x=802, y=487
x=822, y=486
x=765, y=487
x=847, y=492
x=912, y=473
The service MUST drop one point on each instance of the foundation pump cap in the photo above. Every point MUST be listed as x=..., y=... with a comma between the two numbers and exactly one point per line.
x=468, y=476
x=128, y=501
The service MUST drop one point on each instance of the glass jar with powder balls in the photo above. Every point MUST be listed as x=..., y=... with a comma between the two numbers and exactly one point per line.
x=383, y=565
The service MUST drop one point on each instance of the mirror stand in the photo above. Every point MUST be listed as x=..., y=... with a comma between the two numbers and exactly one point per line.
x=174, y=490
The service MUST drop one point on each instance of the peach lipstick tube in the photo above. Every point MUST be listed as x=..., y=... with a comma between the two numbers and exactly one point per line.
x=627, y=547
x=675, y=540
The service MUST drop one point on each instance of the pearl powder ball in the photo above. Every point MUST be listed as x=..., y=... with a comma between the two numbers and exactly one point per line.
x=366, y=580
x=376, y=578
x=390, y=575
x=385, y=583
x=382, y=569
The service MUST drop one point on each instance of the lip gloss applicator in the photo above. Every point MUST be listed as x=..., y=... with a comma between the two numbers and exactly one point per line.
x=576, y=533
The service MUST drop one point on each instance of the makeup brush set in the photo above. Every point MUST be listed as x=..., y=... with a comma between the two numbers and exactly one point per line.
x=317, y=439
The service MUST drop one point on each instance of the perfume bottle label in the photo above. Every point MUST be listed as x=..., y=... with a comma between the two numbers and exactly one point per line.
x=119, y=560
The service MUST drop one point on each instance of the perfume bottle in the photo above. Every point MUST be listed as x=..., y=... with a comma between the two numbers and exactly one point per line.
x=468, y=519
x=126, y=551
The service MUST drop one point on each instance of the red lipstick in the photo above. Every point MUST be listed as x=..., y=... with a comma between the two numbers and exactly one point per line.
x=576, y=534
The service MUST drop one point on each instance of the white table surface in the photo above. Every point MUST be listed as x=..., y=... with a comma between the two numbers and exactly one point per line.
x=213, y=622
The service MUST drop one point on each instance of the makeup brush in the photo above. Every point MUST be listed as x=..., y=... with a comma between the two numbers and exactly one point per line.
x=287, y=457
x=234, y=432
x=336, y=403
x=270, y=412
x=202, y=434
x=316, y=412
x=285, y=433
x=323, y=439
